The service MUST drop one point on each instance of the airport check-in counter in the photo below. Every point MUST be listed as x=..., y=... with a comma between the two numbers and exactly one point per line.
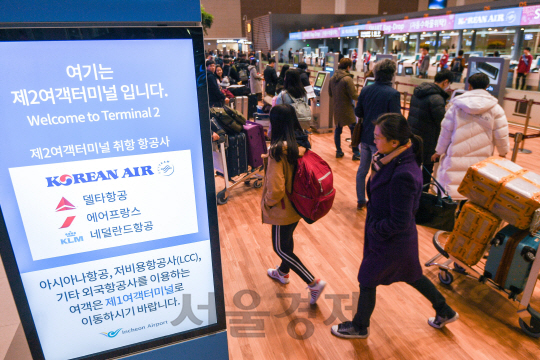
x=331, y=63
x=434, y=66
x=321, y=107
x=298, y=57
x=409, y=64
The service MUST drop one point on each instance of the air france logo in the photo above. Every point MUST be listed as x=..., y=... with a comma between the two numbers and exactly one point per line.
x=102, y=175
x=111, y=334
x=165, y=168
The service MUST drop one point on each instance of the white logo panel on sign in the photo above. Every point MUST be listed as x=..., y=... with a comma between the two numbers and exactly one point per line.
x=74, y=207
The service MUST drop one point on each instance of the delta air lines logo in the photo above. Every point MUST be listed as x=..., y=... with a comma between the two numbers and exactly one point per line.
x=111, y=334
x=65, y=205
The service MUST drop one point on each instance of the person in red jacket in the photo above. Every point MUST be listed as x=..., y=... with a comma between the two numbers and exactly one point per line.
x=524, y=67
x=444, y=60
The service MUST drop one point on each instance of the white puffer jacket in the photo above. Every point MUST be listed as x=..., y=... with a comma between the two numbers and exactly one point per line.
x=473, y=125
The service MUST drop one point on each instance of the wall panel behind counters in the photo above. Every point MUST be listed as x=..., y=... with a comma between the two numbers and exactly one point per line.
x=227, y=19
x=393, y=7
x=362, y=6
x=256, y=8
x=319, y=7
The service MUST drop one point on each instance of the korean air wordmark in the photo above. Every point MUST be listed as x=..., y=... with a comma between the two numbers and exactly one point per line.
x=81, y=178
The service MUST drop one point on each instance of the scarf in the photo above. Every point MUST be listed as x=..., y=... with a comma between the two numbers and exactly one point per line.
x=380, y=160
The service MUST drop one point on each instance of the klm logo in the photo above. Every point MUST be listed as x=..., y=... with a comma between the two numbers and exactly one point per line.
x=71, y=238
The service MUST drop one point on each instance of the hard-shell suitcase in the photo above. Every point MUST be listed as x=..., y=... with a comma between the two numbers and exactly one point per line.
x=237, y=155
x=256, y=143
x=241, y=105
x=510, y=258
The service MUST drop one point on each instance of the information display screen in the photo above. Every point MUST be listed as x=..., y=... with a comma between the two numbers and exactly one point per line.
x=320, y=80
x=103, y=191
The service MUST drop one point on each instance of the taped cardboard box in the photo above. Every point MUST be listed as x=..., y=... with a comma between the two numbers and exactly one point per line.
x=517, y=199
x=483, y=180
x=476, y=223
x=465, y=248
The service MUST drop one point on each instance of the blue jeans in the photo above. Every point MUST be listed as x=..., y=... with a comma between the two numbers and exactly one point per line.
x=366, y=154
x=337, y=138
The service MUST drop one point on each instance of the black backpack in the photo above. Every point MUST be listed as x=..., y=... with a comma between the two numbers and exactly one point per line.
x=458, y=66
x=230, y=120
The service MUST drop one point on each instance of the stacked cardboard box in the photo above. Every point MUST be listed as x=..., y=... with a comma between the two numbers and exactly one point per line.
x=474, y=229
x=504, y=188
x=497, y=189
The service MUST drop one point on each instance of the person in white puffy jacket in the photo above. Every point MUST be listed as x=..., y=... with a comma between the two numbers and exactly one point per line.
x=473, y=126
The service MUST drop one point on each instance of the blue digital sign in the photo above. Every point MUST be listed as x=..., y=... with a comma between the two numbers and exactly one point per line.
x=99, y=10
x=437, y=4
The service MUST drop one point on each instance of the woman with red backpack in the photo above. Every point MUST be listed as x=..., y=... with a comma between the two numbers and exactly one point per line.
x=276, y=207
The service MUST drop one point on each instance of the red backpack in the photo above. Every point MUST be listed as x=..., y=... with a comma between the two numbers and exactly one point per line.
x=313, y=190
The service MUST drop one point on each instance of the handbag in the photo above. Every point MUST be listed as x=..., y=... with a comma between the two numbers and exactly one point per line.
x=436, y=211
x=357, y=133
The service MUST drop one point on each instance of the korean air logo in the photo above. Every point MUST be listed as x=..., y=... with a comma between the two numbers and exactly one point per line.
x=111, y=334
x=65, y=180
x=511, y=17
x=165, y=168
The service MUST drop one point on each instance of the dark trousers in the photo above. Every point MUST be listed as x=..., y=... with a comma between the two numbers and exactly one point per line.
x=366, y=302
x=523, y=78
x=457, y=77
x=337, y=138
x=282, y=241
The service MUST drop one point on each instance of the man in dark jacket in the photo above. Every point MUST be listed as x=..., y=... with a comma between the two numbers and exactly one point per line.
x=270, y=77
x=215, y=96
x=304, y=77
x=342, y=94
x=426, y=114
x=230, y=71
x=423, y=64
x=374, y=100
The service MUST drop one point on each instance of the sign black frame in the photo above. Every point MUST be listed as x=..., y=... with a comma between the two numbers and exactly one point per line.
x=125, y=31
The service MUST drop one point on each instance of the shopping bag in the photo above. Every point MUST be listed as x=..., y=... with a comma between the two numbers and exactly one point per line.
x=435, y=210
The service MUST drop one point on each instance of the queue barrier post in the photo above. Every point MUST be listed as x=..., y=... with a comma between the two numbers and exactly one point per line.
x=517, y=139
x=527, y=119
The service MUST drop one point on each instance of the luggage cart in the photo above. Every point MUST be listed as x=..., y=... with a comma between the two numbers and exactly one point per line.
x=529, y=319
x=220, y=165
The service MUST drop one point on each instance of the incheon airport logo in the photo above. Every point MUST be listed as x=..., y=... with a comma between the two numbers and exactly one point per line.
x=111, y=334
x=165, y=168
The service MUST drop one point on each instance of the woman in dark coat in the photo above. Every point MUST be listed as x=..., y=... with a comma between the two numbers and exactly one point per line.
x=391, y=238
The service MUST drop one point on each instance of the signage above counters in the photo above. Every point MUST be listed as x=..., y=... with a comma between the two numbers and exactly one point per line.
x=529, y=15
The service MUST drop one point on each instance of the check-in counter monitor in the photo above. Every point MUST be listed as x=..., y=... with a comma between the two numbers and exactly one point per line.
x=496, y=70
x=321, y=106
x=369, y=81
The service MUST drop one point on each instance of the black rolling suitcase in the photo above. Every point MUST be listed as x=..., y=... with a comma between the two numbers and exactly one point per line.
x=252, y=105
x=237, y=159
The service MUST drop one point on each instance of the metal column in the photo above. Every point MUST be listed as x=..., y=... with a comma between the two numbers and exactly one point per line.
x=460, y=41
x=437, y=41
x=386, y=50
x=417, y=49
x=341, y=45
x=473, y=41
x=518, y=44
x=408, y=45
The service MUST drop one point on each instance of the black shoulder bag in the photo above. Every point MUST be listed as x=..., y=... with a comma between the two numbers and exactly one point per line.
x=436, y=211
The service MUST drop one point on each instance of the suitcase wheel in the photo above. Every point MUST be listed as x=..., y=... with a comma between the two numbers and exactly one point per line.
x=445, y=277
x=533, y=330
x=257, y=184
x=222, y=197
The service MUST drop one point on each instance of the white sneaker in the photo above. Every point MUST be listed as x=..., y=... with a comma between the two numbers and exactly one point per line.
x=316, y=290
x=274, y=274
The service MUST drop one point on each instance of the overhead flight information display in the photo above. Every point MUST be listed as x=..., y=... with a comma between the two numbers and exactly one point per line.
x=102, y=191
